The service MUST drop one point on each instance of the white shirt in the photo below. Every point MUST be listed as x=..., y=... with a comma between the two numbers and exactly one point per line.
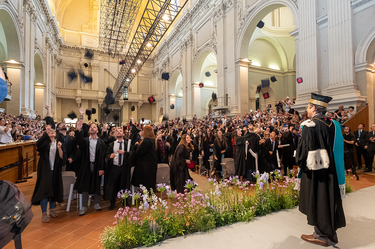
x=92, y=143
x=52, y=155
x=116, y=147
x=5, y=137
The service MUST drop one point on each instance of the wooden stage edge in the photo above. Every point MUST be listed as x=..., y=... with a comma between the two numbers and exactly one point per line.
x=17, y=161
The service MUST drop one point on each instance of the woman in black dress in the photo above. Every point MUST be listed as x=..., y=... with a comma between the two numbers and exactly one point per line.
x=49, y=186
x=179, y=172
x=240, y=155
x=208, y=148
x=220, y=147
x=145, y=160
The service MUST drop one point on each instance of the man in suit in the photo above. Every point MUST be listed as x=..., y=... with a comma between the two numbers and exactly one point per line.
x=360, y=143
x=271, y=146
x=93, y=164
x=288, y=142
x=118, y=168
x=370, y=147
x=69, y=146
x=349, y=141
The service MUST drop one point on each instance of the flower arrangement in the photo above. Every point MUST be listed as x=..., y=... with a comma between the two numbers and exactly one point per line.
x=154, y=218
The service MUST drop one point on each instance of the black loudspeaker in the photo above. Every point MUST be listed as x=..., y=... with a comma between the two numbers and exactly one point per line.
x=214, y=96
x=273, y=79
x=165, y=76
x=208, y=74
x=172, y=106
x=260, y=24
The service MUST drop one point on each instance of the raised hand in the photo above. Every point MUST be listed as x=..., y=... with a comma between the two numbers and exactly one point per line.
x=79, y=125
x=81, y=110
x=59, y=144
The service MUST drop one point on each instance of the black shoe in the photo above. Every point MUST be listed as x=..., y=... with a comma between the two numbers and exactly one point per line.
x=112, y=206
x=367, y=170
x=359, y=167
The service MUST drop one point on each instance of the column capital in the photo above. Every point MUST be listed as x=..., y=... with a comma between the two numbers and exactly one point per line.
x=243, y=62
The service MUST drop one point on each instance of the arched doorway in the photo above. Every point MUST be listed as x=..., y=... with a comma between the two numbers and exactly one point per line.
x=271, y=50
x=39, y=86
x=10, y=58
x=175, y=94
x=205, y=71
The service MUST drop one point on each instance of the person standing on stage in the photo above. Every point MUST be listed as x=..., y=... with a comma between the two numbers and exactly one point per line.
x=360, y=143
x=370, y=147
x=349, y=140
x=93, y=164
x=320, y=155
x=117, y=175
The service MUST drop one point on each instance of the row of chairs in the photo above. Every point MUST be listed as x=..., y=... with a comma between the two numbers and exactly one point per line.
x=69, y=179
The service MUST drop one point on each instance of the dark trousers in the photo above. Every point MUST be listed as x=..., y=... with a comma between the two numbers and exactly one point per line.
x=287, y=168
x=370, y=159
x=349, y=154
x=361, y=152
x=116, y=175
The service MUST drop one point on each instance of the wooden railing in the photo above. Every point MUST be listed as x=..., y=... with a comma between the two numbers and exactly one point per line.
x=17, y=161
x=362, y=116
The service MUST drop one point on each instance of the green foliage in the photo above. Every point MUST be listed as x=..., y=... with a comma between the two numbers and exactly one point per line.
x=223, y=204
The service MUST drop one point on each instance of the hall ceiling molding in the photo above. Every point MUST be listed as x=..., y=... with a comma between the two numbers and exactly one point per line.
x=277, y=31
x=40, y=7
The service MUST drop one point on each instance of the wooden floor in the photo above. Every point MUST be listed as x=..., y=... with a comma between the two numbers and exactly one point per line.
x=69, y=230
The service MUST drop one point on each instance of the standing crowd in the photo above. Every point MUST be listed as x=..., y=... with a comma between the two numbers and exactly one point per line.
x=261, y=141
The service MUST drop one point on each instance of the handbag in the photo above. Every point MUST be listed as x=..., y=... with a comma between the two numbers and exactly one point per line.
x=191, y=165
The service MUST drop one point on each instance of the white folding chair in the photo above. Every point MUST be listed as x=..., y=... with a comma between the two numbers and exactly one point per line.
x=224, y=165
x=163, y=173
x=69, y=179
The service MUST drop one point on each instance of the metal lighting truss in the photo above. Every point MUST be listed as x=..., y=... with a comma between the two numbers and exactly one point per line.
x=117, y=18
x=156, y=19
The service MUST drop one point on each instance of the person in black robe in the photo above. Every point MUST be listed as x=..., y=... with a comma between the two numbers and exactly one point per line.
x=49, y=185
x=271, y=145
x=68, y=144
x=288, y=148
x=145, y=160
x=240, y=155
x=208, y=149
x=198, y=147
x=118, y=170
x=320, y=193
x=93, y=151
x=253, y=144
x=220, y=148
x=179, y=171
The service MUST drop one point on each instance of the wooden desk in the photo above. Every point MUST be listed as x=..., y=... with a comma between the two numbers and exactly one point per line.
x=13, y=153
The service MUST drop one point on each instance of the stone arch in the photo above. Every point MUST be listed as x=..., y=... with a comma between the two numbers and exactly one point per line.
x=173, y=80
x=279, y=48
x=12, y=31
x=199, y=58
x=368, y=41
x=260, y=11
x=39, y=68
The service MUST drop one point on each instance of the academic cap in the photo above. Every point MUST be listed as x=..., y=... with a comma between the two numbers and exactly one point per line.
x=93, y=111
x=109, y=99
x=106, y=110
x=132, y=108
x=72, y=115
x=116, y=117
x=321, y=100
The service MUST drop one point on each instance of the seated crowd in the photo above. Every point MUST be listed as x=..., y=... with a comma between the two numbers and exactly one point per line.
x=261, y=141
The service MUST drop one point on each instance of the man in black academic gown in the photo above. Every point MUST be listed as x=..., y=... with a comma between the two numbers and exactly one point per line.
x=287, y=145
x=93, y=151
x=320, y=155
x=117, y=175
x=253, y=144
x=69, y=146
x=360, y=143
x=370, y=147
x=271, y=154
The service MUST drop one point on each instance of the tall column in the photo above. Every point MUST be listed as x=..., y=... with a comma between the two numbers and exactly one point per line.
x=307, y=50
x=240, y=99
x=197, y=105
x=15, y=74
x=340, y=46
x=220, y=39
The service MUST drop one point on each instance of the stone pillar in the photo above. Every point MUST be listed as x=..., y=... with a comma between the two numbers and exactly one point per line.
x=221, y=66
x=240, y=97
x=15, y=73
x=197, y=105
x=307, y=51
x=172, y=113
x=340, y=47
